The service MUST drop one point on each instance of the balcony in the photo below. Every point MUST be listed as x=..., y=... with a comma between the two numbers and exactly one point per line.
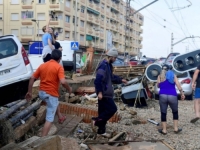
x=91, y=5
x=56, y=23
x=102, y=35
x=108, y=2
x=140, y=38
x=27, y=4
x=108, y=25
x=107, y=14
x=97, y=20
x=26, y=22
x=82, y=29
x=90, y=18
x=82, y=43
x=97, y=7
x=83, y=1
x=102, y=11
x=56, y=7
x=90, y=31
x=102, y=23
x=67, y=9
x=82, y=15
x=67, y=25
x=114, y=5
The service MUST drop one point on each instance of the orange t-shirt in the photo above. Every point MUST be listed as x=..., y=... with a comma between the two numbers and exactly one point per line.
x=50, y=74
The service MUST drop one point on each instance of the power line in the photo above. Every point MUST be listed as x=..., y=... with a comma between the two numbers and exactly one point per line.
x=157, y=15
x=156, y=21
x=177, y=21
x=185, y=24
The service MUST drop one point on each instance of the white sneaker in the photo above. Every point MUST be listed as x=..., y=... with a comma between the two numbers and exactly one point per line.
x=106, y=135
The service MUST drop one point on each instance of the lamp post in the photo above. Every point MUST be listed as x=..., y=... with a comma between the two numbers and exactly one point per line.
x=37, y=22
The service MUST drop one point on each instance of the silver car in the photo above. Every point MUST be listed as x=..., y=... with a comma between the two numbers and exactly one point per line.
x=185, y=80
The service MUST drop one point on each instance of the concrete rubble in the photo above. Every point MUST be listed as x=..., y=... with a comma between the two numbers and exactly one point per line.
x=132, y=125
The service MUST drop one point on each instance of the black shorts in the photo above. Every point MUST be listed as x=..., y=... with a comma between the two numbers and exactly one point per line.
x=47, y=58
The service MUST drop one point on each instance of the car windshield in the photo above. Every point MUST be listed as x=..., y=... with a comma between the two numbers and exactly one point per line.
x=7, y=48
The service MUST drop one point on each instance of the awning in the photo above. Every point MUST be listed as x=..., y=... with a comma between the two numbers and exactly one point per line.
x=98, y=1
x=112, y=9
x=89, y=38
x=93, y=11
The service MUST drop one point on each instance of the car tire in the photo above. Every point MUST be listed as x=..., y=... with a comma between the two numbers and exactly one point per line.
x=190, y=97
x=156, y=96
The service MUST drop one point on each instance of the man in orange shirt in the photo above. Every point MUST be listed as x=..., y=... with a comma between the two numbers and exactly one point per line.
x=51, y=74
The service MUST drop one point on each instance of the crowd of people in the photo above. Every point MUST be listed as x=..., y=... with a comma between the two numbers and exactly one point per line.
x=51, y=75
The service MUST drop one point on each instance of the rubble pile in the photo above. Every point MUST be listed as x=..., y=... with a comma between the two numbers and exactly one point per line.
x=188, y=139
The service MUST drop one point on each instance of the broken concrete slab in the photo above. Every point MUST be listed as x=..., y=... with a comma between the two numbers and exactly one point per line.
x=45, y=143
x=132, y=146
x=41, y=114
x=21, y=130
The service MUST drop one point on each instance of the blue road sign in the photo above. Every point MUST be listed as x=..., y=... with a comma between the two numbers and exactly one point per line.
x=74, y=46
x=35, y=47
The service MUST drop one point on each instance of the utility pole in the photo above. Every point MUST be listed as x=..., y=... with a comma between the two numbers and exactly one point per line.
x=127, y=27
x=75, y=37
x=172, y=39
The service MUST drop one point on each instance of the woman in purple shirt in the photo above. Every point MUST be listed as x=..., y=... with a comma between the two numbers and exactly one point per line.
x=167, y=96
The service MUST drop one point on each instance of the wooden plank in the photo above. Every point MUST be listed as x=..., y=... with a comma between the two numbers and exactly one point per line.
x=60, y=126
x=70, y=126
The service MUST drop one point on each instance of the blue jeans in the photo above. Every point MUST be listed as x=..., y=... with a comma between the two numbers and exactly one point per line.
x=106, y=109
x=52, y=104
x=197, y=93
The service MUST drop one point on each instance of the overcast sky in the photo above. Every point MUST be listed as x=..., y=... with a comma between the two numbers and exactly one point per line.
x=160, y=21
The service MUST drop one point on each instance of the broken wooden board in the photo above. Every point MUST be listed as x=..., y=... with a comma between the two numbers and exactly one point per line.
x=88, y=90
x=68, y=125
x=132, y=146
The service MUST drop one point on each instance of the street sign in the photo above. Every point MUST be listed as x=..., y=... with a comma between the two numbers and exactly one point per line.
x=74, y=46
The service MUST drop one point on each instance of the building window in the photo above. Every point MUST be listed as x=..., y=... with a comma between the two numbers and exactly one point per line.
x=1, y=1
x=82, y=23
x=15, y=32
x=40, y=32
x=91, y=1
x=67, y=34
x=1, y=32
x=14, y=16
x=41, y=1
x=102, y=18
x=108, y=9
x=107, y=20
x=102, y=6
x=68, y=3
x=81, y=37
x=41, y=16
x=14, y=1
x=67, y=19
x=27, y=14
x=26, y=31
x=1, y=17
x=82, y=9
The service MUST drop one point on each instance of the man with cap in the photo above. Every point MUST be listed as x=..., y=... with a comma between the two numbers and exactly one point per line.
x=105, y=92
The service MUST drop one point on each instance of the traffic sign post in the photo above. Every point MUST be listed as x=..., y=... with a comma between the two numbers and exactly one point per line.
x=75, y=47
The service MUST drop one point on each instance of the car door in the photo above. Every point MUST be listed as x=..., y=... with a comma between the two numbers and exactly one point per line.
x=12, y=64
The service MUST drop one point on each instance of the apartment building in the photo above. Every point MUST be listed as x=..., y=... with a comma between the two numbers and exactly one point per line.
x=25, y=19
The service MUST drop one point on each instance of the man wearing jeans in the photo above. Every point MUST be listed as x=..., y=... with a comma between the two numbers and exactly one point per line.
x=105, y=92
x=51, y=74
x=196, y=87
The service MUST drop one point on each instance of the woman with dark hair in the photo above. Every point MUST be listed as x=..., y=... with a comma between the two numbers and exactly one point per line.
x=167, y=96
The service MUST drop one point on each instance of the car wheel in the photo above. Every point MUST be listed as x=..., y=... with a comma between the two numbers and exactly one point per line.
x=190, y=97
x=156, y=96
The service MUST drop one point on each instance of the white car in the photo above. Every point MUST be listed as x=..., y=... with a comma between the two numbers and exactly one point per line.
x=185, y=80
x=15, y=69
